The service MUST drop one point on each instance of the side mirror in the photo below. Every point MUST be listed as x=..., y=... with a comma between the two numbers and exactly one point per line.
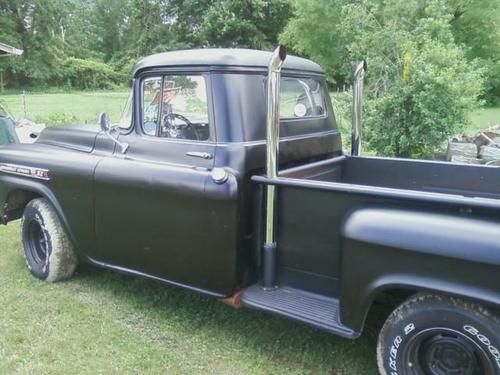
x=105, y=124
x=104, y=121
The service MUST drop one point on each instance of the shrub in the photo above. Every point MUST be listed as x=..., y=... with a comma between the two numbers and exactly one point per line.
x=57, y=118
x=492, y=86
x=90, y=74
x=427, y=105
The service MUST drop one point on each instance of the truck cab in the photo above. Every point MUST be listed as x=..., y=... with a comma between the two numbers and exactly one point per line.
x=226, y=176
x=195, y=137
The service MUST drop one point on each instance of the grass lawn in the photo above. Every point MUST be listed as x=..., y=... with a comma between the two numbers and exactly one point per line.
x=83, y=106
x=484, y=118
x=102, y=322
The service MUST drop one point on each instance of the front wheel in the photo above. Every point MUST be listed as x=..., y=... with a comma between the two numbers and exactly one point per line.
x=48, y=251
x=438, y=335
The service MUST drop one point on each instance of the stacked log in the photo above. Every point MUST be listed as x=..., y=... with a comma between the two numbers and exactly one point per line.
x=489, y=154
x=483, y=148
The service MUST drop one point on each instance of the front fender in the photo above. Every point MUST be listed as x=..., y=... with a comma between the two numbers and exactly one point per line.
x=64, y=176
x=10, y=184
x=399, y=249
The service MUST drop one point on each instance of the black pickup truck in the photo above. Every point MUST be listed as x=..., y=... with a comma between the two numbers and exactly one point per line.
x=226, y=176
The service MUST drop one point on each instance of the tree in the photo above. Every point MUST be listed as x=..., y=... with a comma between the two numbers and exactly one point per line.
x=57, y=35
x=475, y=25
x=39, y=31
x=244, y=23
x=109, y=18
x=420, y=85
x=149, y=28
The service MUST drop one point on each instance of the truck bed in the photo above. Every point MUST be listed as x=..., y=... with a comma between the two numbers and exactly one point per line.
x=416, y=175
x=315, y=199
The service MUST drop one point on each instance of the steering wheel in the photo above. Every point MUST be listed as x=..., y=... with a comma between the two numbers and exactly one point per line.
x=173, y=130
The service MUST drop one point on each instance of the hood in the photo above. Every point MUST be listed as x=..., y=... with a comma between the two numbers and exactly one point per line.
x=75, y=137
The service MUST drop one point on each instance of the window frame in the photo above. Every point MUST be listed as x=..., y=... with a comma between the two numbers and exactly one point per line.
x=154, y=73
x=129, y=103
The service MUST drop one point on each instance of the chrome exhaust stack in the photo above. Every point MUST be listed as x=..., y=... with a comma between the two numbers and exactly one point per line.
x=272, y=154
x=357, y=108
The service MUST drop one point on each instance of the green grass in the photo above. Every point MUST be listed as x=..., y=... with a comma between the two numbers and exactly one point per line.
x=83, y=106
x=484, y=118
x=102, y=322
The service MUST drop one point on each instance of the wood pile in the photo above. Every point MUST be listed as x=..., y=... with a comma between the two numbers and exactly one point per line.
x=483, y=148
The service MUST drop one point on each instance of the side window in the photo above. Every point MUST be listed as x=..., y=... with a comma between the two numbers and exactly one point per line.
x=301, y=98
x=176, y=106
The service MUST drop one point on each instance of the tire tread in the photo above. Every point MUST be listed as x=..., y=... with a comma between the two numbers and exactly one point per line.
x=411, y=304
x=63, y=259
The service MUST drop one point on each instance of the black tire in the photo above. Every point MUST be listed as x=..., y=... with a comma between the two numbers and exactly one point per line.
x=48, y=251
x=433, y=334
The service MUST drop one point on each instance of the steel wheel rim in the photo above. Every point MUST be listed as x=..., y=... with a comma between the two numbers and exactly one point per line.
x=37, y=242
x=440, y=351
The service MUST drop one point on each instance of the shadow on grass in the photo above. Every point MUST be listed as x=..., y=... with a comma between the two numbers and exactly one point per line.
x=252, y=335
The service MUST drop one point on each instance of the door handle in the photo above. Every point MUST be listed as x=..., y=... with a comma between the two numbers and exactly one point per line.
x=202, y=155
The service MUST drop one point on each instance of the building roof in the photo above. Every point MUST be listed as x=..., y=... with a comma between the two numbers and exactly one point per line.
x=222, y=57
x=5, y=49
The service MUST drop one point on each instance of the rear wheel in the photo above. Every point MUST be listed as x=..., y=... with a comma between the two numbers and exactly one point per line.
x=48, y=251
x=438, y=335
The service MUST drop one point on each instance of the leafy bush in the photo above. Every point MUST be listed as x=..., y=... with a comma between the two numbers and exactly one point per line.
x=427, y=105
x=89, y=74
x=57, y=118
x=492, y=83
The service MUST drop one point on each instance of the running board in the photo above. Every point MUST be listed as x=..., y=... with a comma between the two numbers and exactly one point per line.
x=310, y=308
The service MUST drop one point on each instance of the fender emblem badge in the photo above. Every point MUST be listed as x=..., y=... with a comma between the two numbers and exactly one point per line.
x=22, y=170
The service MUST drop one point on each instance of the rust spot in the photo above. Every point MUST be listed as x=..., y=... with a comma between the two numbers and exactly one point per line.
x=233, y=301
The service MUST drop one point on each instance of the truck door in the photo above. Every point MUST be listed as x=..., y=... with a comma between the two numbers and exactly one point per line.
x=150, y=202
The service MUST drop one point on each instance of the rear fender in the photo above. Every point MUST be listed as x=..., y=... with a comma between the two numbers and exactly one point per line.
x=385, y=249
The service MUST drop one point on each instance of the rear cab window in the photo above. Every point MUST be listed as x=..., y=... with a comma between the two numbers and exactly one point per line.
x=301, y=98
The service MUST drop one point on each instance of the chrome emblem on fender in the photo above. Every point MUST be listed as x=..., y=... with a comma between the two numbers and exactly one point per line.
x=22, y=170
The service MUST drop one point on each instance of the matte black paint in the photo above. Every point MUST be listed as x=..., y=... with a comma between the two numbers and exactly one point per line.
x=400, y=232
x=347, y=227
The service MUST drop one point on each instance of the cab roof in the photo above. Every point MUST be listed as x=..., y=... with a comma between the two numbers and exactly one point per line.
x=221, y=58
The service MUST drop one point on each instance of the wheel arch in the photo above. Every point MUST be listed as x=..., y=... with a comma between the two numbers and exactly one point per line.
x=385, y=250
x=400, y=287
x=16, y=193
